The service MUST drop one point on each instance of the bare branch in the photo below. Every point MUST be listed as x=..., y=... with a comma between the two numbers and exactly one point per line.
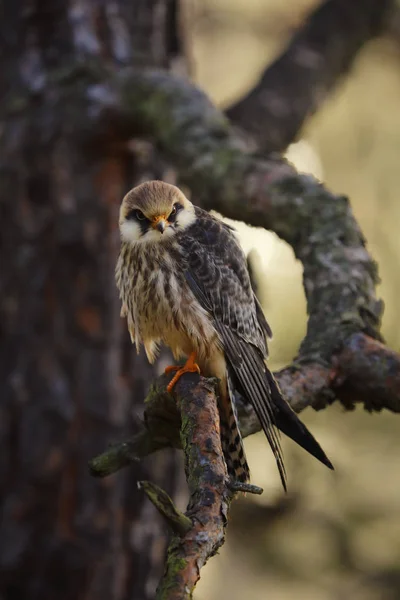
x=364, y=371
x=179, y=523
x=209, y=495
x=247, y=488
x=295, y=85
x=368, y=372
x=189, y=419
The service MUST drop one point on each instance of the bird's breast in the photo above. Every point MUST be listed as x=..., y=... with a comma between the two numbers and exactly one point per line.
x=160, y=304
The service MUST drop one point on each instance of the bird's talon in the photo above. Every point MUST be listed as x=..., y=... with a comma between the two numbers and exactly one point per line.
x=189, y=367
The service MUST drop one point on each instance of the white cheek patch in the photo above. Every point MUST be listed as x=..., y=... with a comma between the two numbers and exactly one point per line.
x=185, y=218
x=130, y=231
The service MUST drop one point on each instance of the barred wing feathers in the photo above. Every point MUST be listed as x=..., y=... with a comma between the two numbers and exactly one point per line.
x=218, y=277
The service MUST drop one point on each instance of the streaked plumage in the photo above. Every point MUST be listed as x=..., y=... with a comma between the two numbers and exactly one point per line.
x=184, y=282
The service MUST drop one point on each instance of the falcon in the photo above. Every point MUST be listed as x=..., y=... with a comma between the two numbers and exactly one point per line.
x=183, y=282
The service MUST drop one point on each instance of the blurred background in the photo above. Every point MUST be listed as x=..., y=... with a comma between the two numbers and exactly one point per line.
x=335, y=535
x=70, y=381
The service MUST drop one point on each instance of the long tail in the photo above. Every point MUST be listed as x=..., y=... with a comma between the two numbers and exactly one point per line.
x=231, y=439
x=289, y=423
x=256, y=384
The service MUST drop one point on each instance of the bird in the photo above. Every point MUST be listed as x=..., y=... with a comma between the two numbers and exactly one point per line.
x=183, y=282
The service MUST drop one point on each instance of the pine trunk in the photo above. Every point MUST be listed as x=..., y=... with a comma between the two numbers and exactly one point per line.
x=70, y=380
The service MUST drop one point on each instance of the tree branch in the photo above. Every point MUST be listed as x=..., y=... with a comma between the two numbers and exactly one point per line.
x=179, y=523
x=339, y=281
x=365, y=372
x=339, y=274
x=209, y=496
x=295, y=85
x=368, y=372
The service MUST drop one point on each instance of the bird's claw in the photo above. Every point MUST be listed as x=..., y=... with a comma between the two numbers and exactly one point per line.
x=189, y=367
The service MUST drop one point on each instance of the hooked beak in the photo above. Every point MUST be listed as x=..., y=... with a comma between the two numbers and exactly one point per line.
x=159, y=223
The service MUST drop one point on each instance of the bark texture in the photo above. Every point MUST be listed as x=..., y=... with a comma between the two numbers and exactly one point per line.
x=70, y=382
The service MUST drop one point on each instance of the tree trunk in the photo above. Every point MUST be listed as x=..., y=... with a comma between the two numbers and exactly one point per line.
x=70, y=380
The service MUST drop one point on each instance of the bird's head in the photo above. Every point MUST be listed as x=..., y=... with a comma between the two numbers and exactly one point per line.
x=153, y=212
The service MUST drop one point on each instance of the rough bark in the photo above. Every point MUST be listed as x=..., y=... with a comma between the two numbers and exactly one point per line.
x=69, y=378
x=209, y=497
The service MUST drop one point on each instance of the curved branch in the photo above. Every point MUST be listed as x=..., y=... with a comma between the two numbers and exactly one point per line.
x=294, y=86
x=339, y=274
x=365, y=372
x=368, y=372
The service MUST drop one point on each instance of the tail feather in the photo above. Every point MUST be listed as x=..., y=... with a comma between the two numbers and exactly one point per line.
x=246, y=365
x=231, y=439
x=289, y=423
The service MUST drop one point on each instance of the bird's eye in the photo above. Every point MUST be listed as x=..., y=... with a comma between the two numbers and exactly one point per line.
x=139, y=215
x=135, y=214
x=173, y=212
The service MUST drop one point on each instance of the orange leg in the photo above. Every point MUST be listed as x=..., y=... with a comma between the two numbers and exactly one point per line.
x=189, y=367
